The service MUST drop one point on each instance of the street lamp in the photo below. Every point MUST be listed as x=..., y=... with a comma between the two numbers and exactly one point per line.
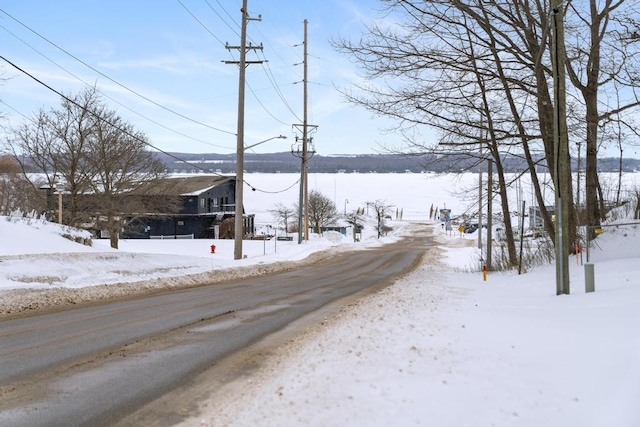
x=239, y=220
x=248, y=147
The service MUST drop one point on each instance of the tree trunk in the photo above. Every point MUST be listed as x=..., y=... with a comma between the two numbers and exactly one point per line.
x=114, y=230
x=592, y=208
x=602, y=209
x=489, y=215
x=113, y=238
x=506, y=212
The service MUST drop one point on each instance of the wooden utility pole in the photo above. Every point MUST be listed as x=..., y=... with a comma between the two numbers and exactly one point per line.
x=243, y=48
x=303, y=202
x=561, y=140
x=304, y=188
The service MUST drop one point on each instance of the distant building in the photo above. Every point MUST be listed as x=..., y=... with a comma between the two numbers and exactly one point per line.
x=206, y=210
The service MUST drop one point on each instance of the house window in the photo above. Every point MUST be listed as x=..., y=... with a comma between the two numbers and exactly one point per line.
x=180, y=222
x=202, y=203
x=215, y=202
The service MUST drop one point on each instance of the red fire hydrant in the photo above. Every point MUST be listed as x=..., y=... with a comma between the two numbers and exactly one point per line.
x=213, y=249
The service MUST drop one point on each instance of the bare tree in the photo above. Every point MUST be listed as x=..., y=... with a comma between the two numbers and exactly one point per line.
x=381, y=210
x=282, y=213
x=635, y=200
x=459, y=91
x=118, y=161
x=479, y=73
x=322, y=211
x=16, y=193
x=100, y=158
x=607, y=60
x=54, y=144
x=355, y=219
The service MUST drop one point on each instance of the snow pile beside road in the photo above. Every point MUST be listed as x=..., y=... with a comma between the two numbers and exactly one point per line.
x=41, y=269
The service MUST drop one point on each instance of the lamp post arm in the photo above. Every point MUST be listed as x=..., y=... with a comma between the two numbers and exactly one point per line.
x=247, y=147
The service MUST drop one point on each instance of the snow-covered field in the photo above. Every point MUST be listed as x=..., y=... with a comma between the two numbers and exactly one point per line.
x=441, y=347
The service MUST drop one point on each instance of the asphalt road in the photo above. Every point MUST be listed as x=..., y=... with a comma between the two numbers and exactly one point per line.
x=98, y=365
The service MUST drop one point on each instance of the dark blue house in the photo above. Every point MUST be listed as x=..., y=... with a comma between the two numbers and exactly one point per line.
x=205, y=210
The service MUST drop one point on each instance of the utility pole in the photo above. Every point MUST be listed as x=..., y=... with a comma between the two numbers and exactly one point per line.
x=303, y=202
x=243, y=63
x=561, y=141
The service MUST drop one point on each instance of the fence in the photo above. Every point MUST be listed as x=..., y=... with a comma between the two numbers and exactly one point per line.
x=614, y=241
x=173, y=236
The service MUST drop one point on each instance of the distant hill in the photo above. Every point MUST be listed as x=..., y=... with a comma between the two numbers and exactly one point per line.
x=361, y=163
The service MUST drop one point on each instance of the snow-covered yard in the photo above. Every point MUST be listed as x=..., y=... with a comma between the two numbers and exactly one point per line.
x=441, y=347
x=444, y=348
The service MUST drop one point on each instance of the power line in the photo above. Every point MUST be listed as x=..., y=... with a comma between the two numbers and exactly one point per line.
x=201, y=23
x=123, y=130
x=275, y=85
x=66, y=98
x=15, y=110
x=114, y=81
x=252, y=91
x=267, y=70
x=263, y=106
x=272, y=192
x=228, y=14
x=109, y=97
x=224, y=20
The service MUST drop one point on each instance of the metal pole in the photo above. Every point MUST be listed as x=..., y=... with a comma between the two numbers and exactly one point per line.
x=521, y=237
x=480, y=201
x=589, y=278
x=489, y=257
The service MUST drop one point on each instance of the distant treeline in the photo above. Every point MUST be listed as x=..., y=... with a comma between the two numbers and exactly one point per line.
x=362, y=163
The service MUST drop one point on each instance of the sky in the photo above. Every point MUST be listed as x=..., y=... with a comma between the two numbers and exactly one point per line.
x=160, y=65
x=441, y=345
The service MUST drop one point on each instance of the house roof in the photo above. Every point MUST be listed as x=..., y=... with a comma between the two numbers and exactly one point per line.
x=192, y=185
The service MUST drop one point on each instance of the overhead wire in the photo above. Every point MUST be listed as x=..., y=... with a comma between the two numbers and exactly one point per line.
x=66, y=98
x=234, y=30
x=263, y=106
x=268, y=72
x=268, y=69
x=274, y=84
x=225, y=11
x=110, y=97
x=201, y=23
x=121, y=129
x=113, y=80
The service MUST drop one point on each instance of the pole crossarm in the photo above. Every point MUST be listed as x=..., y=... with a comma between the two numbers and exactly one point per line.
x=245, y=62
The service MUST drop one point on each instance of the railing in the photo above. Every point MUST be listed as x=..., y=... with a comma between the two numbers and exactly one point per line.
x=172, y=237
